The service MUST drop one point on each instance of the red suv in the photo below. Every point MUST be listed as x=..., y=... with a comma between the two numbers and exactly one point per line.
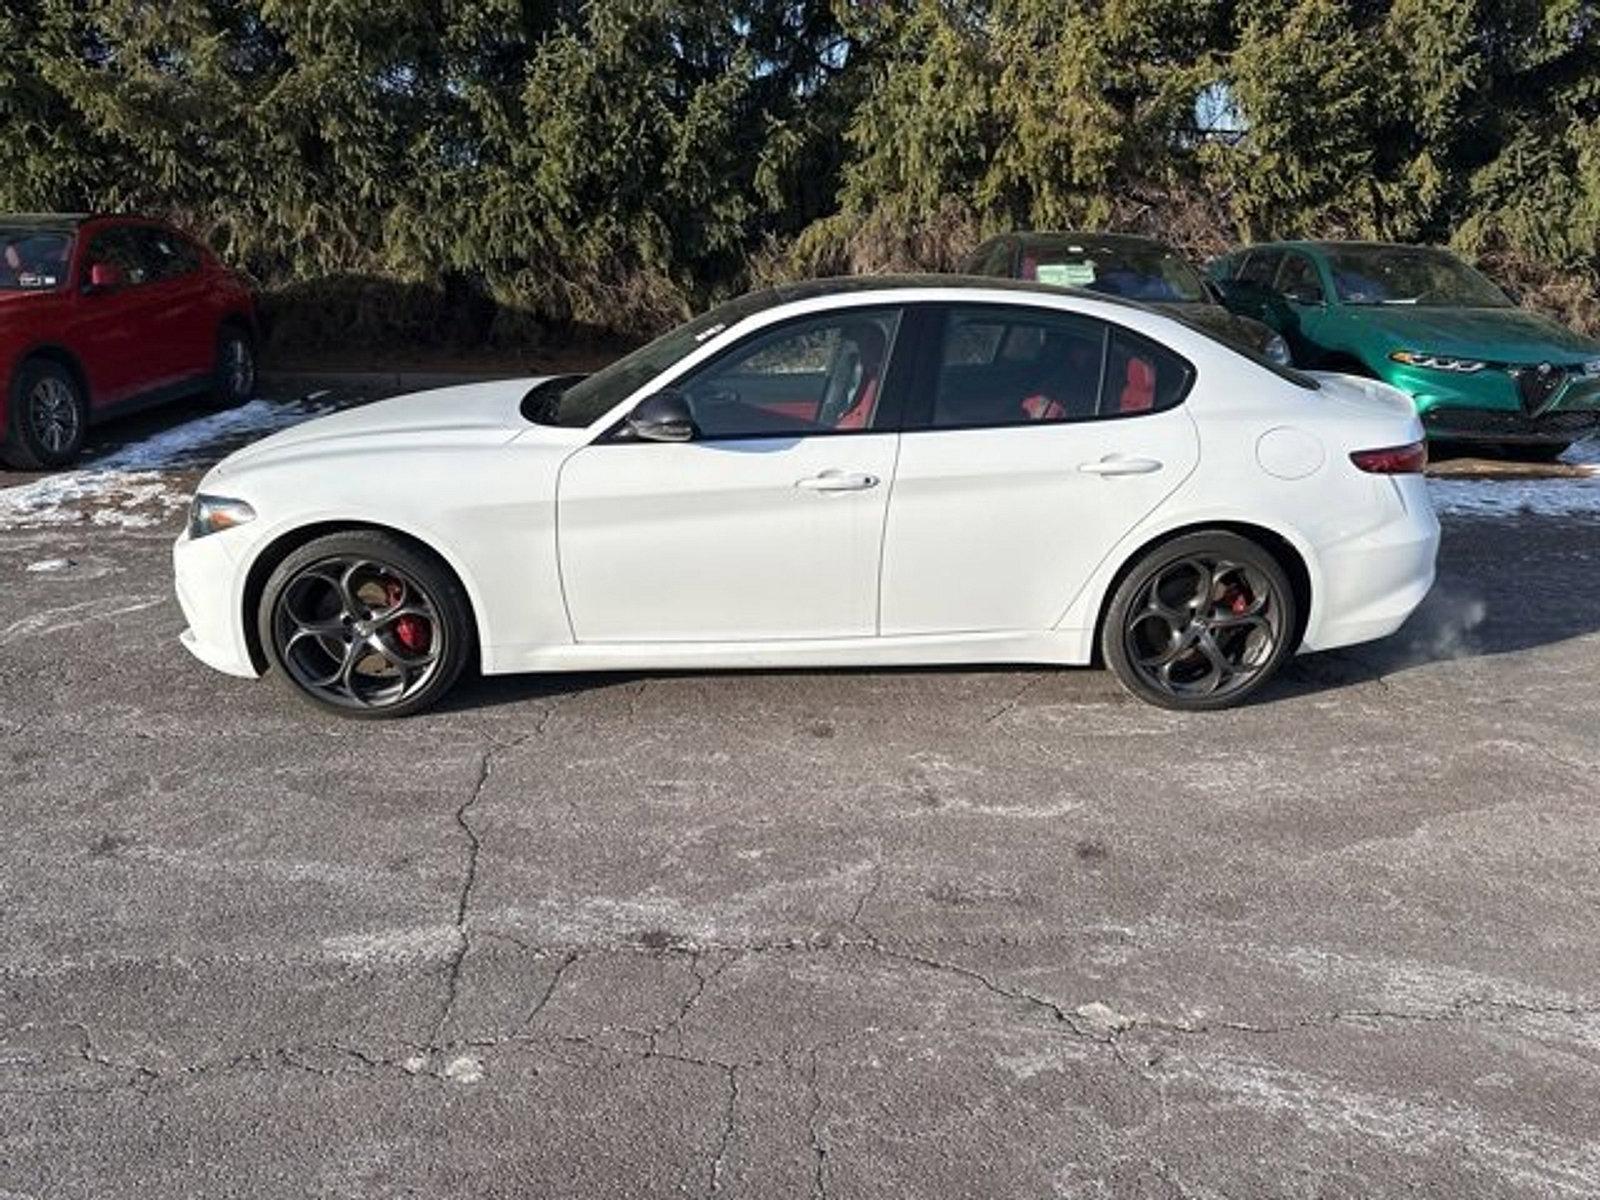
x=99, y=315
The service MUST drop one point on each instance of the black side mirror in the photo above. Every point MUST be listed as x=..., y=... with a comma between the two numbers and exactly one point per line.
x=663, y=417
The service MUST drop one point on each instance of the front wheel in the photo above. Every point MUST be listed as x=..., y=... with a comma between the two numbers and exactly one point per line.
x=1200, y=622
x=366, y=624
x=49, y=417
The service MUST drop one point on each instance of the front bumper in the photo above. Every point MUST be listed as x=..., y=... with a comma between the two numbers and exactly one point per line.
x=1492, y=425
x=209, y=583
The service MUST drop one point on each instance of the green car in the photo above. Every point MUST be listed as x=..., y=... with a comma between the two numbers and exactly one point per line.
x=1479, y=368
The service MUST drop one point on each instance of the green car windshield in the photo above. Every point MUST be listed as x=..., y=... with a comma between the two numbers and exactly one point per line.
x=1411, y=275
x=1149, y=273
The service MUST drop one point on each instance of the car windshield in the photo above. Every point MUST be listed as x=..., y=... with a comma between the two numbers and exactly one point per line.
x=1414, y=275
x=33, y=259
x=1145, y=271
x=574, y=401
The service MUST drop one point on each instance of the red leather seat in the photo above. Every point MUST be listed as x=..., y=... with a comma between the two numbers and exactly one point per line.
x=870, y=347
x=1139, y=392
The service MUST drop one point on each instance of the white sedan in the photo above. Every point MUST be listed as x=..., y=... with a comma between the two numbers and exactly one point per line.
x=841, y=473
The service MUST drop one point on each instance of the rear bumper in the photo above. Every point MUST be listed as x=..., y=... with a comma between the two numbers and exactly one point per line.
x=206, y=578
x=1373, y=582
x=1501, y=425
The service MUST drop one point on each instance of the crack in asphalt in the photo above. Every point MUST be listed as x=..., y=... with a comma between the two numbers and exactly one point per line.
x=458, y=959
x=729, y=1116
x=819, y=1150
x=1011, y=702
x=567, y=960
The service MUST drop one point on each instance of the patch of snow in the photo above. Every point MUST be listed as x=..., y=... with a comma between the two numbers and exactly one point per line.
x=128, y=488
x=49, y=564
x=1570, y=496
x=464, y=1069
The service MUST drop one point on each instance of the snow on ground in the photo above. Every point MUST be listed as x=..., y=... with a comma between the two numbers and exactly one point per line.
x=1495, y=496
x=138, y=486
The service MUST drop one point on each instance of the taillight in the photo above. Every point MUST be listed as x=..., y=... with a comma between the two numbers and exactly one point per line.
x=1393, y=460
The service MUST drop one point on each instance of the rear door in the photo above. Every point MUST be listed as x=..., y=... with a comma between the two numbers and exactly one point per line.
x=1035, y=440
x=178, y=295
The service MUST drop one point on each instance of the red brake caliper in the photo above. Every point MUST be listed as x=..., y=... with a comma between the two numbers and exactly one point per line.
x=411, y=631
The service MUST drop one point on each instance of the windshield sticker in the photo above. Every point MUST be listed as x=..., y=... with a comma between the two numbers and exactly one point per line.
x=30, y=280
x=707, y=334
x=1074, y=274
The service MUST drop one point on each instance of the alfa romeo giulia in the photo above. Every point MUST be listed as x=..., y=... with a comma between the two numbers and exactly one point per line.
x=853, y=472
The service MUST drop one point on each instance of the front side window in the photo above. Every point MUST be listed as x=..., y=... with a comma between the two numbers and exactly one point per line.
x=1261, y=266
x=818, y=375
x=1411, y=275
x=33, y=260
x=1004, y=366
x=118, y=247
x=1298, y=280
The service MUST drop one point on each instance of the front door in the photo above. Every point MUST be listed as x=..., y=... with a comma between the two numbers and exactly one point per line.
x=769, y=523
x=1038, y=442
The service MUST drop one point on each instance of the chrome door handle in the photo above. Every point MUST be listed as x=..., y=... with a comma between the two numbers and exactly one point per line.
x=1113, y=464
x=838, y=481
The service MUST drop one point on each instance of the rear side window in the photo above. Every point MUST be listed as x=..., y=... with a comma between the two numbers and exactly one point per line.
x=1009, y=366
x=167, y=254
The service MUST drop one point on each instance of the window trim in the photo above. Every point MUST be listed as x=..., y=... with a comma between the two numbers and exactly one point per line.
x=891, y=398
x=918, y=415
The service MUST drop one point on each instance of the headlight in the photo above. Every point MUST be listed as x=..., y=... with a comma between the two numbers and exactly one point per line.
x=1277, y=350
x=1437, y=362
x=212, y=514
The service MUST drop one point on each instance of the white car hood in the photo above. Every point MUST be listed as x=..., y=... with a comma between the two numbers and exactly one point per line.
x=475, y=414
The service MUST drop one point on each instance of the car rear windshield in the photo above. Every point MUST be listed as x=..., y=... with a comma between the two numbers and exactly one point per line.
x=33, y=259
x=1412, y=275
x=574, y=401
x=1146, y=271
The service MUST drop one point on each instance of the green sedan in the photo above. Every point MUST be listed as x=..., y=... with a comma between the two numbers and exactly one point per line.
x=1479, y=368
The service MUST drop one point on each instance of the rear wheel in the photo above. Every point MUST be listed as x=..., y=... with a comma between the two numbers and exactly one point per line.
x=1200, y=622
x=234, y=381
x=49, y=417
x=366, y=624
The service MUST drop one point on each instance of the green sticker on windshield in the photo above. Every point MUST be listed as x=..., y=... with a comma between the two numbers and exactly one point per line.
x=1072, y=274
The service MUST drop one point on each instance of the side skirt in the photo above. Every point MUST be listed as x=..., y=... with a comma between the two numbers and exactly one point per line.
x=1062, y=647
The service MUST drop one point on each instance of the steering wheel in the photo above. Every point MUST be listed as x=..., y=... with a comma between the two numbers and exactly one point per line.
x=844, y=378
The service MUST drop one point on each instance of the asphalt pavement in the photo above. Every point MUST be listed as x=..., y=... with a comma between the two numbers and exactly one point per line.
x=924, y=933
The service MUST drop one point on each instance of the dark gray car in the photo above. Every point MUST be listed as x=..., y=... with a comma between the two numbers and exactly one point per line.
x=1133, y=268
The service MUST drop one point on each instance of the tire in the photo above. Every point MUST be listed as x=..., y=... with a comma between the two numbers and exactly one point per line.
x=49, y=417
x=365, y=624
x=234, y=377
x=1155, y=637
